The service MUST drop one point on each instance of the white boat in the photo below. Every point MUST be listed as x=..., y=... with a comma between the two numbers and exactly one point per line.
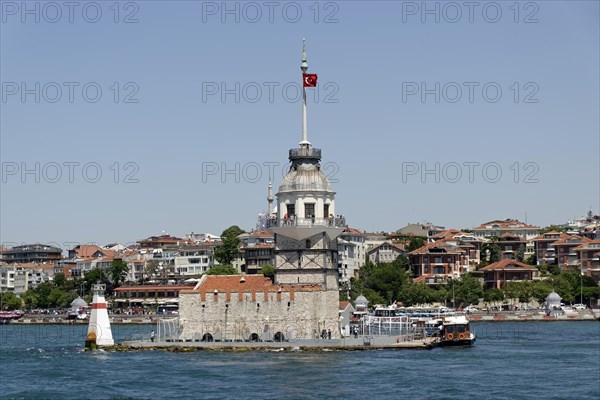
x=456, y=331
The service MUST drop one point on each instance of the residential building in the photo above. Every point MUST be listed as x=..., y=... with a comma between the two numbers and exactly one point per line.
x=589, y=258
x=510, y=245
x=426, y=230
x=385, y=252
x=544, y=249
x=351, y=255
x=498, y=228
x=567, y=258
x=497, y=274
x=18, y=278
x=32, y=253
x=194, y=260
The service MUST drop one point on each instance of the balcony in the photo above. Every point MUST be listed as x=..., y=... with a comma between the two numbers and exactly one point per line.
x=337, y=222
x=305, y=152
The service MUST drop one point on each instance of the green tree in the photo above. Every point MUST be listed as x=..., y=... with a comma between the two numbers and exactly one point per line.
x=96, y=275
x=540, y=290
x=60, y=280
x=30, y=299
x=118, y=271
x=228, y=250
x=490, y=253
x=8, y=301
x=467, y=290
x=493, y=295
x=268, y=270
x=417, y=293
x=521, y=253
x=531, y=260
x=222, y=270
x=556, y=228
x=42, y=292
x=415, y=242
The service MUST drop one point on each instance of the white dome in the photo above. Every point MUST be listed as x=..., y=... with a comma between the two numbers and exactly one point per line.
x=305, y=178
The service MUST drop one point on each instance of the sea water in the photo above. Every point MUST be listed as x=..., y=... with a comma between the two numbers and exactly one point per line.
x=524, y=360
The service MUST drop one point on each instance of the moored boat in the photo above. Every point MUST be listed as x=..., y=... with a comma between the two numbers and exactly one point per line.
x=456, y=331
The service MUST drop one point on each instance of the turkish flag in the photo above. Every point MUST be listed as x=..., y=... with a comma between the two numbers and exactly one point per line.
x=310, y=80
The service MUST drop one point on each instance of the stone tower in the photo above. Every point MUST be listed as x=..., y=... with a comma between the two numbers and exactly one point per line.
x=306, y=228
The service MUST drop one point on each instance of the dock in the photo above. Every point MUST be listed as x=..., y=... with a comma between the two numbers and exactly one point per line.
x=346, y=344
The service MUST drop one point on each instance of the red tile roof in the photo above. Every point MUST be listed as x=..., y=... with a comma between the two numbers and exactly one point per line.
x=508, y=264
x=143, y=288
x=506, y=224
x=249, y=283
x=344, y=304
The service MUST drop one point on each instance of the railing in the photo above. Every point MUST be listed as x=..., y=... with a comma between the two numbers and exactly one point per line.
x=339, y=222
x=305, y=152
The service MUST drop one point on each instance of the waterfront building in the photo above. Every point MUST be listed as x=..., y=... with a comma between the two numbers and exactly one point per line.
x=303, y=299
x=497, y=274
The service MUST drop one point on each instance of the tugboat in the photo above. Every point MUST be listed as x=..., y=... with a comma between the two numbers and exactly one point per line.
x=456, y=331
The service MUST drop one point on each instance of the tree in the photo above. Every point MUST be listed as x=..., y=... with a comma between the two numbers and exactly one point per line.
x=521, y=253
x=550, y=228
x=268, y=270
x=151, y=269
x=490, y=253
x=222, y=270
x=118, y=271
x=467, y=290
x=493, y=295
x=96, y=275
x=415, y=242
x=417, y=293
x=30, y=299
x=228, y=250
x=59, y=280
x=531, y=260
x=8, y=301
x=540, y=290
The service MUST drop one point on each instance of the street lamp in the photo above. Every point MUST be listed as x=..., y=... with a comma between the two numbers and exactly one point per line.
x=581, y=283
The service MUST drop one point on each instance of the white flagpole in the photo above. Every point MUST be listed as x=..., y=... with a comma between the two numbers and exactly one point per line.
x=304, y=68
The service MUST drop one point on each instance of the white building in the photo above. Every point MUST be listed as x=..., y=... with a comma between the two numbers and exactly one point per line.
x=352, y=252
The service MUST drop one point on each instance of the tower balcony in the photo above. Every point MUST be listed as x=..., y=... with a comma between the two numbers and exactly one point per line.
x=305, y=152
x=313, y=222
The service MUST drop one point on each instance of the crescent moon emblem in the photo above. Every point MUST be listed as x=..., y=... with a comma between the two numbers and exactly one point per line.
x=307, y=80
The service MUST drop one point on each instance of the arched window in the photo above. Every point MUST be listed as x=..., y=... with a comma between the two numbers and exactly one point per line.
x=308, y=243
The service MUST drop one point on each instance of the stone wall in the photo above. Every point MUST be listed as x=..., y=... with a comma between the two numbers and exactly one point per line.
x=227, y=317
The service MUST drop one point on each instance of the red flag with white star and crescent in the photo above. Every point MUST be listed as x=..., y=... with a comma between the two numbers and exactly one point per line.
x=310, y=80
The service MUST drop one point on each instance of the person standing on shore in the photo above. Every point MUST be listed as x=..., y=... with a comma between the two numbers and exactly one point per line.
x=152, y=336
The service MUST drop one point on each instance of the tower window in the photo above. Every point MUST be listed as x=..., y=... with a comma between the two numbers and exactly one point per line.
x=325, y=210
x=308, y=243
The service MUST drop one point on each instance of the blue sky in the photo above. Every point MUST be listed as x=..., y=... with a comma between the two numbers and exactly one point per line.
x=165, y=126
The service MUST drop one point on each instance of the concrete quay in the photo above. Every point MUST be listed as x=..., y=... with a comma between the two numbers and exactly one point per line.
x=345, y=344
